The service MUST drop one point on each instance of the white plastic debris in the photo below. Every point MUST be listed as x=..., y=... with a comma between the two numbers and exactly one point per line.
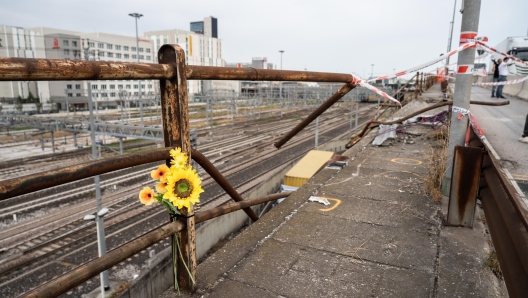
x=319, y=200
x=385, y=132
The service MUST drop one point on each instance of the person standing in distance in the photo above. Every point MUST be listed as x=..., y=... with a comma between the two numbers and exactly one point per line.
x=503, y=75
x=495, y=70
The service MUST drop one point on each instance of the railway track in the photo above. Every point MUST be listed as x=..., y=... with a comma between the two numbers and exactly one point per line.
x=50, y=250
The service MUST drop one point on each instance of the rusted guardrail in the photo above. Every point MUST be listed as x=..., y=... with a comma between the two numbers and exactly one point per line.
x=507, y=217
x=173, y=75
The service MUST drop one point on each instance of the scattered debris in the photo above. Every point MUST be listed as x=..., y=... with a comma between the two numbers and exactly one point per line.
x=319, y=200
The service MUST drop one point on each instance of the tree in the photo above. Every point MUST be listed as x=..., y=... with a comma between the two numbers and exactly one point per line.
x=30, y=97
x=39, y=106
x=19, y=105
x=3, y=100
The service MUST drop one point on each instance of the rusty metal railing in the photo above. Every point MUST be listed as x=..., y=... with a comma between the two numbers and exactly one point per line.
x=481, y=176
x=173, y=74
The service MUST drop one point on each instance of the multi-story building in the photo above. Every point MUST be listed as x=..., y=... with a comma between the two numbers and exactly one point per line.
x=202, y=47
x=18, y=42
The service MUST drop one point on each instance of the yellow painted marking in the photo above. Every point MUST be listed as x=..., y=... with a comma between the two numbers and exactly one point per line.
x=338, y=201
x=520, y=177
x=407, y=161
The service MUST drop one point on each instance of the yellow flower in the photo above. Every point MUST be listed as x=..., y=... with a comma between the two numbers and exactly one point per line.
x=183, y=187
x=160, y=173
x=161, y=187
x=146, y=196
x=179, y=158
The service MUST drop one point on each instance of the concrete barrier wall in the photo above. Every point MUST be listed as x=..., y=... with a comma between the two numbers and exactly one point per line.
x=524, y=91
x=513, y=89
x=159, y=275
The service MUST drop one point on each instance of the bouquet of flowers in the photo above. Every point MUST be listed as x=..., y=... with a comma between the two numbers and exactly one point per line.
x=177, y=186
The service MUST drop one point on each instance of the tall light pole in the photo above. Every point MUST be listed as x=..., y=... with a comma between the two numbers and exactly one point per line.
x=372, y=72
x=450, y=36
x=136, y=16
x=281, y=51
x=280, y=89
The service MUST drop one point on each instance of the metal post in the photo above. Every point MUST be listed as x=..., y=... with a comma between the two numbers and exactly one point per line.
x=176, y=132
x=99, y=220
x=351, y=105
x=316, y=132
x=457, y=134
x=450, y=36
x=42, y=142
x=52, y=142
x=136, y=16
x=357, y=112
x=120, y=146
x=75, y=139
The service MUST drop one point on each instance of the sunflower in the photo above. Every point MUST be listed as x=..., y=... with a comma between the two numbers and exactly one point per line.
x=179, y=158
x=161, y=187
x=146, y=196
x=160, y=173
x=183, y=187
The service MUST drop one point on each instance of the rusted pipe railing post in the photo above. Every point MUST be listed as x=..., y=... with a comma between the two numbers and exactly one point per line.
x=176, y=133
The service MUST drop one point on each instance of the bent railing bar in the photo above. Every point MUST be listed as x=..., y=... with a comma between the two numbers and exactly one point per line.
x=90, y=269
x=440, y=104
x=321, y=109
x=31, y=69
x=23, y=185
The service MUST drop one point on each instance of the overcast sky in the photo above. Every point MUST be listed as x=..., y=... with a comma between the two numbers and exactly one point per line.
x=329, y=35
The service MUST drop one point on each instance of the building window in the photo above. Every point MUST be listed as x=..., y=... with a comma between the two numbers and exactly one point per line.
x=78, y=86
x=148, y=57
x=68, y=86
x=148, y=50
x=91, y=45
x=118, y=55
x=78, y=94
x=66, y=52
x=128, y=86
x=108, y=46
x=141, y=49
x=70, y=95
x=157, y=41
x=65, y=43
x=104, y=94
x=143, y=86
x=95, y=95
x=110, y=55
x=136, y=93
x=133, y=49
x=165, y=41
x=112, y=94
x=134, y=56
x=119, y=87
x=74, y=43
x=136, y=86
x=101, y=46
x=150, y=86
x=103, y=87
x=101, y=54
x=118, y=48
x=125, y=48
x=126, y=56
x=112, y=86
x=94, y=87
x=141, y=57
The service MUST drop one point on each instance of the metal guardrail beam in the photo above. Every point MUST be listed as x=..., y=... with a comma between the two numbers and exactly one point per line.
x=30, y=69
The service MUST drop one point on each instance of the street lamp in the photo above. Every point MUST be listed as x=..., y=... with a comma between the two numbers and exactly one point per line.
x=372, y=72
x=136, y=16
x=101, y=243
x=450, y=37
x=281, y=51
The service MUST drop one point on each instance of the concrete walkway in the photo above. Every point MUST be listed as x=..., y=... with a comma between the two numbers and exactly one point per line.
x=380, y=237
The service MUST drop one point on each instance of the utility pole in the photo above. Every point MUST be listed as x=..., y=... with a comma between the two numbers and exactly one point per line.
x=466, y=60
x=372, y=72
x=450, y=36
x=281, y=51
x=136, y=16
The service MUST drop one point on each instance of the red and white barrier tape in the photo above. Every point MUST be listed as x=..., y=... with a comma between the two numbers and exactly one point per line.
x=517, y=60
x=365, y=84
x=426, y=64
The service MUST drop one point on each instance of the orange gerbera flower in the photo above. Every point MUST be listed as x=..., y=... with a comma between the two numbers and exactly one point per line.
x=146, y=196
x=160, y=173
x=161, y=187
